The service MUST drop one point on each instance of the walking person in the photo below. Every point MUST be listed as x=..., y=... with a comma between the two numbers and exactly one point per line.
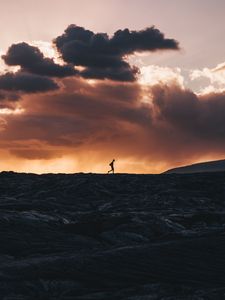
x=112, y=166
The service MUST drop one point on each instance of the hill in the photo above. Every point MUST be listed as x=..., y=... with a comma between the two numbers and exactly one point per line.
x=211, y=166
x=126, y=237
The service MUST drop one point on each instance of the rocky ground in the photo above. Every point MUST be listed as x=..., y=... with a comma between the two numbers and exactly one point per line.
x=130, y=237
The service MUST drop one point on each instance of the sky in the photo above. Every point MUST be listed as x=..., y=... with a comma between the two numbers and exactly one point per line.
x=85, y=82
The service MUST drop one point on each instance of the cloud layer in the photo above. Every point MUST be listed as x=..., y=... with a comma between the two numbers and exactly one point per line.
x=55, y=114
x=109, y=120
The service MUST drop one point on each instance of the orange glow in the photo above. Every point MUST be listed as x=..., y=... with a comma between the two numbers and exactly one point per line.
x=69, y=164
x=8, y=111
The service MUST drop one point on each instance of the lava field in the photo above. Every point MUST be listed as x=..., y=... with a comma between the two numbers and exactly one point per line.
x=118, y=236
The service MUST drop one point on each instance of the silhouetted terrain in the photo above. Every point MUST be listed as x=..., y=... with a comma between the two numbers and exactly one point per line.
x=88, y=236
x=210, y=166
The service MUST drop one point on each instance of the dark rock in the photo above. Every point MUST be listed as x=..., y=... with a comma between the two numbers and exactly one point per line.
x=89, y=236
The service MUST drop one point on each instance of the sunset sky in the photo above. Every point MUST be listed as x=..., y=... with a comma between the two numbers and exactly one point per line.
x=83, y=82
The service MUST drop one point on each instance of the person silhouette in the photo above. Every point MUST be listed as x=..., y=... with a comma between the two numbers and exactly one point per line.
x=112, y=166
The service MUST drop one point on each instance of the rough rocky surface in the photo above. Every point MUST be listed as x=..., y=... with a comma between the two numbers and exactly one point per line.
x=130, y=237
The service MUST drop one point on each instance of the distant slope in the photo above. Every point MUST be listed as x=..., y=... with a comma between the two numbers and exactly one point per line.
x=211, y=166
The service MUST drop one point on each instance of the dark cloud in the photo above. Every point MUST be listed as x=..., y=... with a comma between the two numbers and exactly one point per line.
x=106, y=118
x=104, y=57
x=26, y=82
x=122, y=73
x=2, y=96
x=32, y=60
x=149, y=39
x=199, y=117
x=9, y=96
x=101, y=56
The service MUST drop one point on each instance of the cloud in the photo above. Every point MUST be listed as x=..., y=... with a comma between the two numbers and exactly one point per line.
x=121, y=73
x=33, y=154
x=190, y=125
x=26, y=82
x=32, y=60
x=82, y=116
x=104, y=56
x=219, y=67
x=96, y=56
x=215, y=77
x=8, y=96
x=153, y=75
x=146, y=119
x=94, y=122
